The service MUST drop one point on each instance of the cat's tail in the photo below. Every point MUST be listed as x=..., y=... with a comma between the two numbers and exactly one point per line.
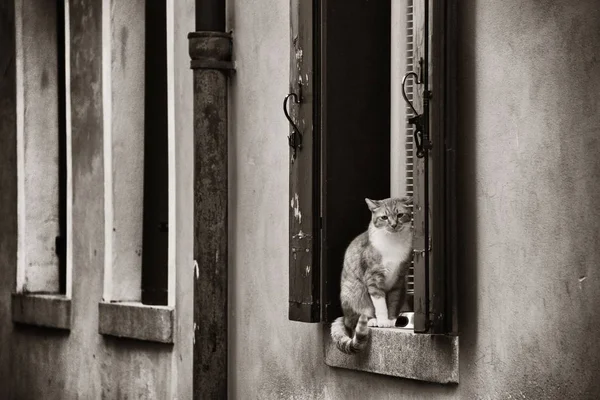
x=345, y=343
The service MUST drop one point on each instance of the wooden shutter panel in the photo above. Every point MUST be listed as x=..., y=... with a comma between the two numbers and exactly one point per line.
x=435, y=174
x=354, y=126
x=304, y=272
x=420, y=203
x=443, y=168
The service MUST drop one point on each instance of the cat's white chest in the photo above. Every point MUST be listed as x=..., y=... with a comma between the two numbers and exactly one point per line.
x=394, y=250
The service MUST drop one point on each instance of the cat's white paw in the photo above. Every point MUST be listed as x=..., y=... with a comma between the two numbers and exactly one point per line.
x=372, y=322
x=385, y=323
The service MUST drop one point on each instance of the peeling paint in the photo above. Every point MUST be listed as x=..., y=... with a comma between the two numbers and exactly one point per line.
x=295, y=204
x=307, y=270
x=300, y=235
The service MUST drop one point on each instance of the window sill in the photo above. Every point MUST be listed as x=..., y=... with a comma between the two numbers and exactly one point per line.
x=401, y=353
x=46, y=310
x=136, y=321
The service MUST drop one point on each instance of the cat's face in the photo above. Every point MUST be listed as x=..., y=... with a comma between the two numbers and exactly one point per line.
x=391, y=214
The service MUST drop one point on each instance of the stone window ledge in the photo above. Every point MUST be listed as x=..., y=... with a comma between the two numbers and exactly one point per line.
x=401, y=353
x=46, y=310
x=136, y=321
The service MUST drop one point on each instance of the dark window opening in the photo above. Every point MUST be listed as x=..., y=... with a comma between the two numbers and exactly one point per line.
x=61, y=239
x=156, y=202
x=354, y=128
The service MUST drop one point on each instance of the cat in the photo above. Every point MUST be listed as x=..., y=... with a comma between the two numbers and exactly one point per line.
x=373, y=280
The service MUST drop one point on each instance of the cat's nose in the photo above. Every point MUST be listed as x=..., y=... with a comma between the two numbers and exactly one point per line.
x=394, y=224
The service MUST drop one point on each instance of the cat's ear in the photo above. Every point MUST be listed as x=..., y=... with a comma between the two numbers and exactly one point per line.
x=373, y=204
x=407, y=200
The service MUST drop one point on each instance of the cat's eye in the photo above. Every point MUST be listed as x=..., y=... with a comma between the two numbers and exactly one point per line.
x=384, y=217
x=400, y=215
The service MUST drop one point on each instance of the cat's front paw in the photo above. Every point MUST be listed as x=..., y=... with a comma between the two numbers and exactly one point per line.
x=385, y=323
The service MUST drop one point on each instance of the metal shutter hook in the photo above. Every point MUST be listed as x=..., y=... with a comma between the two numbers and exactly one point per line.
x=295, y=139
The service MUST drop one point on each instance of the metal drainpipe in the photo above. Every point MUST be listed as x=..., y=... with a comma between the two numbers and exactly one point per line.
x=210, y=49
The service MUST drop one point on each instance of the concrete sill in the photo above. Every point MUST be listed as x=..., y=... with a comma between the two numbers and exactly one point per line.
x=401, y=353
x=136, y=321
x=47, y=310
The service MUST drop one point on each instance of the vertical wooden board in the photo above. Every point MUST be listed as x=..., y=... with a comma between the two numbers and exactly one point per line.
x=419, y=203
x=438, y=292
x=450, y=51
x=155, y=231
x=443, y=195
x=436, y=191
x=355, y=127
x=304, y=275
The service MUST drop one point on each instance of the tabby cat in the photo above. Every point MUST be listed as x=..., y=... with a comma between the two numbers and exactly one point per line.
x=373, y=283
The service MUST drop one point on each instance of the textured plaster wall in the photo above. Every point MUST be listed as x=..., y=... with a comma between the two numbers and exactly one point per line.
x=37, y=363
x=37, y=143
x=124, y=41
x=529, y=222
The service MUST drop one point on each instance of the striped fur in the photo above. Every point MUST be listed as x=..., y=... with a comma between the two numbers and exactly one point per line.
x=344, y=342
x=373, y=279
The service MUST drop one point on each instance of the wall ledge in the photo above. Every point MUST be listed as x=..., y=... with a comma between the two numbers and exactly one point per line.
x=136, y=321
x=46, y=310
x=401, y=353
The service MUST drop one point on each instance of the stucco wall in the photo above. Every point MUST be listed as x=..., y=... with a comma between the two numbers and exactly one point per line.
x=529, y=224
x=41, y=363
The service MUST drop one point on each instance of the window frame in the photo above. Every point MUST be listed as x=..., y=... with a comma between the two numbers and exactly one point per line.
x=47, y=305
x=442, y=327
x=139, y=297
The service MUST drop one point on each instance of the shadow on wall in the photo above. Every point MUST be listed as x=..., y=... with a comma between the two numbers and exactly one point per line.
x=467, y=255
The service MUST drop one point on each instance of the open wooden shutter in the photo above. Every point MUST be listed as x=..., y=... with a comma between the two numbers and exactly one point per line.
x=443, y=294
x=304, y=269
x=343, y=116
x=434, y=174
x=421, y=211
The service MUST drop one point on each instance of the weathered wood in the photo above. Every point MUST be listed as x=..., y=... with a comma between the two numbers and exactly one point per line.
x=304, y=274
x=48, y=310
x=443, y=171
x=210, y=215
x=420, y=241
x=354, y=109
x=435, y=234
x=136, y=321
